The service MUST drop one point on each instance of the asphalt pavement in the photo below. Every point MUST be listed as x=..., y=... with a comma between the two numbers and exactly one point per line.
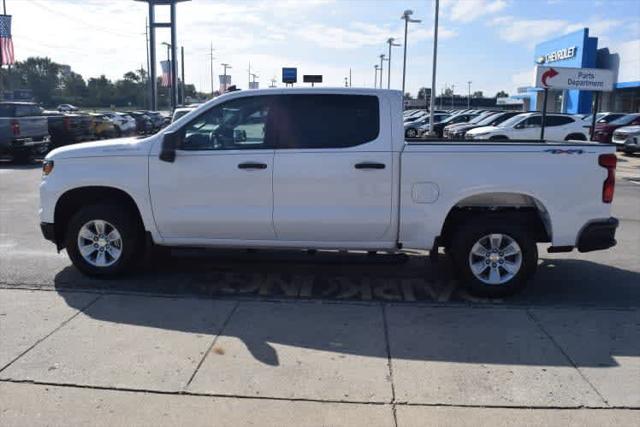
x=284, y=337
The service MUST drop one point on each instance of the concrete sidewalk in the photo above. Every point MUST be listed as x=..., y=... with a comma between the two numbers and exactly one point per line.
x=109, y=359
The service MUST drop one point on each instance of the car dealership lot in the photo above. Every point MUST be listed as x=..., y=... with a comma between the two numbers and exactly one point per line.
x=329, y=338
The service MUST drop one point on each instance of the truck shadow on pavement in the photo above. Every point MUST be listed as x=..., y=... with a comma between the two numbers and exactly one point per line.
x=274, y=310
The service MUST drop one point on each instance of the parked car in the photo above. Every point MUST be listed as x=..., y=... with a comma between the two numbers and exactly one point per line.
x=179, y=112
x=124, y=123
x=526, y=126
x=67, y=108
x=627, y=138
x=438, y=128
x=300, y=182
x=103, y=127
x=157, y=119
x=23, y=130
x=68, y=128
x=604, y=131
x=604, y=117
x=494, y=119
x=144, y=125
x=415, y=129
x=447, y=129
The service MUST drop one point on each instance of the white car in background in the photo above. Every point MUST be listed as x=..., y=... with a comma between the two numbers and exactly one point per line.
x=125, y=124
x=559, y=127
x=628, y=137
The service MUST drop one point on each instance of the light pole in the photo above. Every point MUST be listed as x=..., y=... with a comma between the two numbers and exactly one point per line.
x=224, y=78
x=382, y=59
x=433, y=73
x=469, y=97
x=407, y=18
x=391, y=43
x=375, y=79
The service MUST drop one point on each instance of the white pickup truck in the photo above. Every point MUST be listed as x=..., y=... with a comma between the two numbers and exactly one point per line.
x=326, y=169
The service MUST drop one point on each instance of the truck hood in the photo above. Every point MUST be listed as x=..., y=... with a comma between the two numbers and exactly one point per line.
x=132, y=146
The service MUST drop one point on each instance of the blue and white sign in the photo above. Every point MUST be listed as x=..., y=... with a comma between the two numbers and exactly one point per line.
x=289, y=75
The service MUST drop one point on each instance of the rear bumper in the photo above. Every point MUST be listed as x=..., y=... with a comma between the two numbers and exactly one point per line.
x=598, y=235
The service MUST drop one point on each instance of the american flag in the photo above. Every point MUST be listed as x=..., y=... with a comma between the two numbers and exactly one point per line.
x=6, y=44
x=166, y=73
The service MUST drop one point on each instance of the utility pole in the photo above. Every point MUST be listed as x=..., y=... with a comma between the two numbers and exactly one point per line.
x=375, y=79
x=350, y=77
x=182, y=72
x=249, y=79
x=174, y=55
x=211, y=63
x=273, y=82
x=224, y=82
x=391, y=43
x=469, y=97
x=146, y=37
x=382, y=59
x=407, y=18
x=152, y=57
x=433, y=72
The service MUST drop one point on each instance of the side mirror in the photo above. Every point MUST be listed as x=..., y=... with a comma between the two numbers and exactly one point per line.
x=169, y=145
x=239, y=135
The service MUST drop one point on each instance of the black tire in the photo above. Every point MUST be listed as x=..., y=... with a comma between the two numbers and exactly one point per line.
x=127, y=225
x=21, y=155
x=411, y=133
x=474, y=230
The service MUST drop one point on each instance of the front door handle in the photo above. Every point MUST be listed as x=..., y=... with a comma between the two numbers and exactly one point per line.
x=370, y=165
x=252, y=165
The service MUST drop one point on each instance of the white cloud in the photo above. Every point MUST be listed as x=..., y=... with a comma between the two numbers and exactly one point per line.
x=470, y=10
x=521, y=30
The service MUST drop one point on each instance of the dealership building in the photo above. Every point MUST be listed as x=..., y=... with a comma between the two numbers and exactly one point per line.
x=580, y=50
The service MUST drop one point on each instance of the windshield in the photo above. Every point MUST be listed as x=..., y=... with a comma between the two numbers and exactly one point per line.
x=480, y=119
x=510, y=122
x=625, y=120
x=485, y=120
x=6, y=111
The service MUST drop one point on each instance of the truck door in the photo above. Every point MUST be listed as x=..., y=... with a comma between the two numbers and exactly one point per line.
x=221, y=183
x=333, y=173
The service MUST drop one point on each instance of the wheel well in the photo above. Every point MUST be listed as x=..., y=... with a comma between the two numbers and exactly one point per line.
x=576, y=136
x=71, y=201
x=499, y=138
x=519, y=207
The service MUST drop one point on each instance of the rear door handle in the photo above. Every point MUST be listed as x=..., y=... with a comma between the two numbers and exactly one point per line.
x=370, y=165
x=252, y=165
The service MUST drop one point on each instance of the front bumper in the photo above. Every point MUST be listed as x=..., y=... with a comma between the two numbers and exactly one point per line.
x=598, y=235
x=48, y=231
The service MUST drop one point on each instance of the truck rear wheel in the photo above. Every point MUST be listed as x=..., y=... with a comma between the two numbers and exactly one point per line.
x=103, y=240
x=493, y=257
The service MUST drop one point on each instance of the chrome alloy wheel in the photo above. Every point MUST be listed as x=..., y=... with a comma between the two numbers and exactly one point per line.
x=99, y=243
x=495, y=259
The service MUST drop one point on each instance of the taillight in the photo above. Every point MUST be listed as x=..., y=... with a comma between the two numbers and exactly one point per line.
x=608, y=161
x=67, y=123
x=15, y=128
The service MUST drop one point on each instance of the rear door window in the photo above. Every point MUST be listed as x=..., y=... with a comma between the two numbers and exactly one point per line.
x=557, y=121
x=327, y=121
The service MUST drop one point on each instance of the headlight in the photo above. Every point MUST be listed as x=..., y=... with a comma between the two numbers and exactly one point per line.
x=47, y=167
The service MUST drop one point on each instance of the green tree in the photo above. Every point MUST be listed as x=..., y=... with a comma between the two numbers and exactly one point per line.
x=502, y=94
x=423, y=92
x=477, y=94
x=41, y=75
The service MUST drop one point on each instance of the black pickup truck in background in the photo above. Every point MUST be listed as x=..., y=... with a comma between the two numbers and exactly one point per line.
x=23, y=130
x=69, y=128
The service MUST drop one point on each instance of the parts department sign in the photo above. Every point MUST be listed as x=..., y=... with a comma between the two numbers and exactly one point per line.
x=594, y=79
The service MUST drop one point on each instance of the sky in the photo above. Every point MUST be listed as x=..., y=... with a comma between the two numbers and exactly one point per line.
x=487, y=42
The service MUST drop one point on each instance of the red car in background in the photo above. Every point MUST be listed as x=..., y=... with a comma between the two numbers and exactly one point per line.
x=604, y=131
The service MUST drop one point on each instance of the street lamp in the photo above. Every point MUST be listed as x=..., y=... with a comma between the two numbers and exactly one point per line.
x=407, y=18
x=375, y=79
x=469, y=97
x=433, y=73
x=382, y=59
x=391, y=43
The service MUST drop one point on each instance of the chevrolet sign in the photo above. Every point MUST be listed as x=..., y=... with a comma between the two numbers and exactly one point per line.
x=557, y=55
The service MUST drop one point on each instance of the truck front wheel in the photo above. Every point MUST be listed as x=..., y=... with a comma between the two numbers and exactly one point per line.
x=494, y=258
x=103, y=240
